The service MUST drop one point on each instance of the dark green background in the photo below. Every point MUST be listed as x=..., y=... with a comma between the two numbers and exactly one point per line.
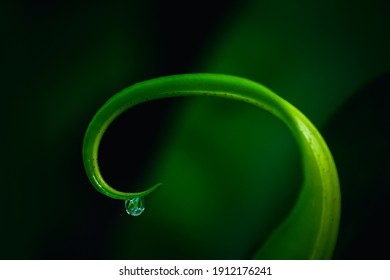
x=230, y=171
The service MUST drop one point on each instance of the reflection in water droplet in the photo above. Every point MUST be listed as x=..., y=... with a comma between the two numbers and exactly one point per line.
x=135, y=206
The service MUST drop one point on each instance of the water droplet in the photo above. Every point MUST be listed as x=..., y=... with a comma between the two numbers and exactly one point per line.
x=135, y=206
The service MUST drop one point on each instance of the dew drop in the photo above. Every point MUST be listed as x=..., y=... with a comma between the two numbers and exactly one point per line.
x=135, y=206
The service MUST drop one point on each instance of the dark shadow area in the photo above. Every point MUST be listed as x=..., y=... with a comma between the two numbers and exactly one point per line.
x=359, y=136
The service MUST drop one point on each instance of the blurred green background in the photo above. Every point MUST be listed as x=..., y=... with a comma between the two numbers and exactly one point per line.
x=231, y=172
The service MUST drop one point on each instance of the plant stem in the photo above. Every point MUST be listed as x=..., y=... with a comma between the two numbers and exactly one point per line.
x=310, y=230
